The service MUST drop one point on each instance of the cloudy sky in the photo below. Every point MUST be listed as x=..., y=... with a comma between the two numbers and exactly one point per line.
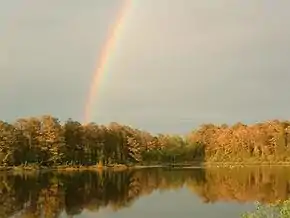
x=176, y=64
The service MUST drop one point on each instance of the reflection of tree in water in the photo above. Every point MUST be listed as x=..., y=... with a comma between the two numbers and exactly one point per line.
x=265, y=184
x=51, y=193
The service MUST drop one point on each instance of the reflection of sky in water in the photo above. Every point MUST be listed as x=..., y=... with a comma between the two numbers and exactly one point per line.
x=173, y=203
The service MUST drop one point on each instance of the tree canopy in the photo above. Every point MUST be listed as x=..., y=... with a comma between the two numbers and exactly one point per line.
x=46, y=141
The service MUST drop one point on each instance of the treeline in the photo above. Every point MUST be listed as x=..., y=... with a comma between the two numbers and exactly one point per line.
x=46, y=141
x=50, y=194
x=267, y=141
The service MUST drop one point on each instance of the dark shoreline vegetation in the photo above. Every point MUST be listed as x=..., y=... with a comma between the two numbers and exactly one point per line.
x=44, y=142
x=49, y=194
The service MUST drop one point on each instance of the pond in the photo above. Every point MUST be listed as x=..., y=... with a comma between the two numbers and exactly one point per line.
x=163, y=193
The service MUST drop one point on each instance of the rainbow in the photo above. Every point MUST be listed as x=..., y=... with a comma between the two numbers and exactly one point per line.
x=103, y=59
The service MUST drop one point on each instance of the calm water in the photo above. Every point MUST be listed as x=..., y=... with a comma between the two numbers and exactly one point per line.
x=206, y=193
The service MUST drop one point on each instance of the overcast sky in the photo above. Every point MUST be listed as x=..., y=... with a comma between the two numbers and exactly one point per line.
x=176, y=64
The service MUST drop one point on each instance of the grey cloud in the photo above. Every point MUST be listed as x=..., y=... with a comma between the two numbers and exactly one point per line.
x=176, y=64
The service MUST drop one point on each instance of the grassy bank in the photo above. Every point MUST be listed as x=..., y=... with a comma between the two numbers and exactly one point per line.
x=117, y=167
x=94, y=167
x=62, y=168
x=246, y=164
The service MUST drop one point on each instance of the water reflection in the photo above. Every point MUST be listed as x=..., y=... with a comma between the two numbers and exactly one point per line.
x=50, y=194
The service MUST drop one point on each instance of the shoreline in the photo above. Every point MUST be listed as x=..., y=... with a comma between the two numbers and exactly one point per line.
x=121, y=167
